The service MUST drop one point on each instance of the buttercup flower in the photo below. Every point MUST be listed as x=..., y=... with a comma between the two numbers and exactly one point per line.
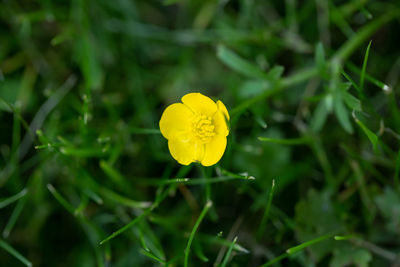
x=196, y=129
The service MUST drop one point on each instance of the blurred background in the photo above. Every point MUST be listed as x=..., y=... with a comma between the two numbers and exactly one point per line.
x=312, y=155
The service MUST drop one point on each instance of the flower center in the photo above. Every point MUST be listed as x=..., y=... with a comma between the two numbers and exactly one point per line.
x=203, y=128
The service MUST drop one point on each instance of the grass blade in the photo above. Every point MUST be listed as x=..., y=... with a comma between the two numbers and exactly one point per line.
x=127, y=226
x=292, y=141
x=9, y=200
x=15, y=253
x=113, y=174
x=300, y=247
x=14, y=217
x=86, y=152
x=159, y=198
x=199, y=252
x=342, y=114
x=195, y=227
x=320, y=58
x=221, y=241
x=152, y=256
x=61, y=199
x=364, y=67
x=294, y=79
x=229, y=252
x=275, y=260
x=351, y=81
x=351, y=101
x=191, y=181
x=266, y=212
x=320, y=115
x=371, y=136
x=111, y=195
x=386, y=88
x=296, y=249
x=342, y=237
x=239, y=64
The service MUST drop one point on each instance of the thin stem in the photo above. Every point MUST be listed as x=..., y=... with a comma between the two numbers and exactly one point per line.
x=207, y=184
x=266, y=212
x=194, y=230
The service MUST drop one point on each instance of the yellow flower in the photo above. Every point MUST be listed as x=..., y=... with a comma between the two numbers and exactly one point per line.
x=196, y=130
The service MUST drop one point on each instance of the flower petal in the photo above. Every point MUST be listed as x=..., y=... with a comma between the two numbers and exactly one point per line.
x=214, y=150
x=185, y=152
x=222, y=108
x=175, y=120
x=220, y=119
x=200, y=104
x=220, y=123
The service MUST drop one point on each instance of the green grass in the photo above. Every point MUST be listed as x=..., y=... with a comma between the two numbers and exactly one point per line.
x=310, y=175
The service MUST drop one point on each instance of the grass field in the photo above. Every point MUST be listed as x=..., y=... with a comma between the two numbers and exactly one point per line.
x=310, y=175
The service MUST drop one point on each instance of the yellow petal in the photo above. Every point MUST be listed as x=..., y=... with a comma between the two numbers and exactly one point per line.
x=175, y=121
x=185, y=152
x=222, y=108
x=200, y=104
x=214, y=150
x=220, y=119
x=220, y=123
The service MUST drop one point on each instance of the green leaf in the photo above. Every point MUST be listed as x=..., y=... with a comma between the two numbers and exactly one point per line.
x=320, y=115
x=235, y=62
x=350, y=80
x=342, y=114
x=371, y=136
x=345, y=86
x=310, y=224
x=89, y=62
x=320, y=58
x=348, y=255
x=364, y=67
x=276, y=72
x=389, y=206
x=251, y=88
x=9, y=90
x=351, y=101
x=152, y=256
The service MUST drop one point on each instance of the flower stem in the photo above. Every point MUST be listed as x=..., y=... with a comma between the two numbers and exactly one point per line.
x=207, y=185
x=194, y=230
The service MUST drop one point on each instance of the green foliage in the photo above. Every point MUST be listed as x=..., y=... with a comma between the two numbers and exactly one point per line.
x=389, y=206
x=347, y=255
x=310, y=176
